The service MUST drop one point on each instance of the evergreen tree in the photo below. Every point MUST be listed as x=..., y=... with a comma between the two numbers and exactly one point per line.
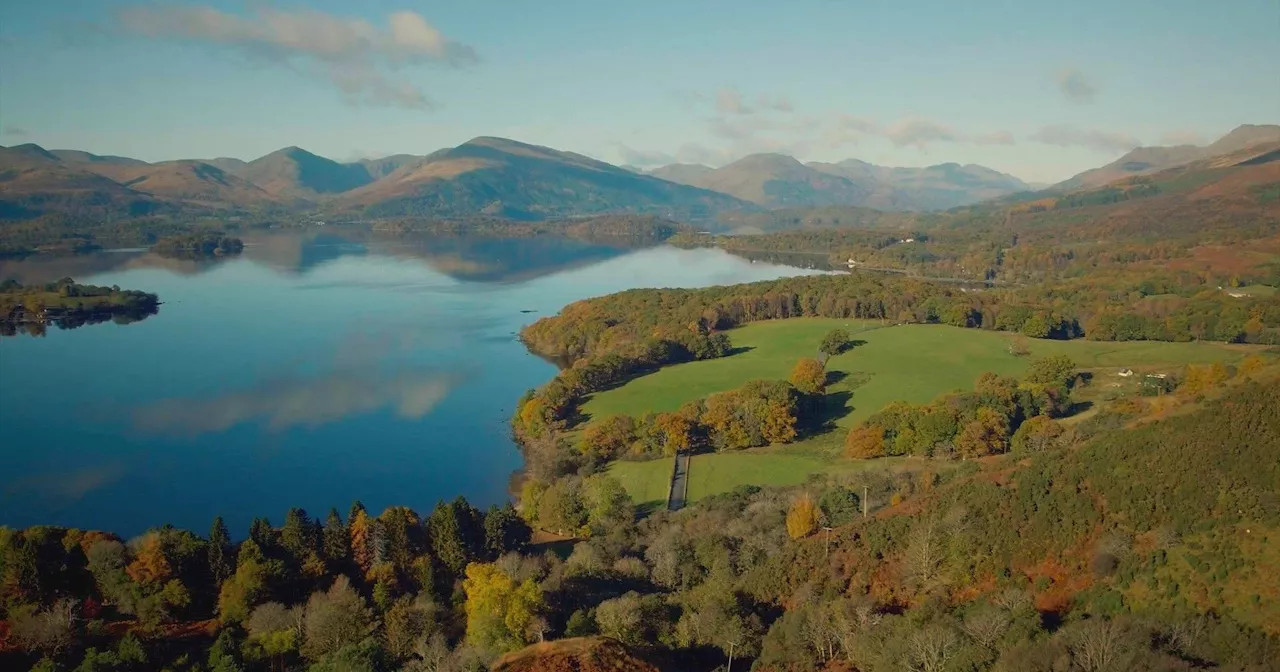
x=457, y=534
x=505, y=531
x=295, y=536
x=262, y=534
x=337, y=540
x=220, y=551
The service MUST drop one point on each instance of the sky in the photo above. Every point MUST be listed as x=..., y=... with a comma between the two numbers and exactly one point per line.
x=1041, y=90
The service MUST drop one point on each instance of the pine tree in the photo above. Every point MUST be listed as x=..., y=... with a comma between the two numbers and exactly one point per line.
x=361, y=547
x=262, y=534
x=295, y=536
x=457, y=534
x=220, y=563
x=337, y=539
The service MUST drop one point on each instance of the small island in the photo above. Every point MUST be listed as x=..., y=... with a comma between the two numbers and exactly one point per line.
x=69, y=305
x=198, y=245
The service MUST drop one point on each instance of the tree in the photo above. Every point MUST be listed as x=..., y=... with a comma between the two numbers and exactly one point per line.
x=802, y=517
x=865, y=442
x=296, y=536
x=361, y=531
x=560, y=508
x=220, y=552
x=1036, y=435
x=499, y=611
x=622, y=618
x=277, y=629
x=607, y=504
x=809, y=376
x=336, y=539
x=505, y=531
x=676, y=432
x=248, y=586
x=609, y=438
x=839, y=505
x=985, y=435
x=1056, y=371
x=834, y=343
x=149, y=566
x=335, y=618
x=457, y=534
x=405, y=625
x=49, y=630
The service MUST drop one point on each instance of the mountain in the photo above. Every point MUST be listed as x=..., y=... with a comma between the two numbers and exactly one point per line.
x=77, y=156
x=779, y=181
x=194, y=182
x=774, y=181
x=682, y=173
x=228, y=165
x=496, y=176
x=1145, y=160
x=296, y=173
x=34, y=181
x=380, y=168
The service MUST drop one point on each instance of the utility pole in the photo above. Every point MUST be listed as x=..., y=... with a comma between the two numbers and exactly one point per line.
x=827, y=551
x=729, y=667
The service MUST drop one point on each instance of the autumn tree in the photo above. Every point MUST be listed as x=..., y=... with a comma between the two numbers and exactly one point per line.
x=675, y=431
x=335, y=618
x=866, y=441
x=809, y=376
x=609, y=438
x=1036, y=435
x=360, y=529
x=987, y=434
x=250, y=584
x=1201, y=378
x=499, y=610
x=802, y=517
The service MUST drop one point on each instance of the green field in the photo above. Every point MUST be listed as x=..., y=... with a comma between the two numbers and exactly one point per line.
x=914, y=363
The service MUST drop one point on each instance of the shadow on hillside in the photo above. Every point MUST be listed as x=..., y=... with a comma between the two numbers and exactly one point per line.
x=834, y=377
x=831, y=408
x=740, y=350
x=1078, y=407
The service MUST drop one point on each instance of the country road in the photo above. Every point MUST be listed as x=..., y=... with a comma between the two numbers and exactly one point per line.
x=679, y=484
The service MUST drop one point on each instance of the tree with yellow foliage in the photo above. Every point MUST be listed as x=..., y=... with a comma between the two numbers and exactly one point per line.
x=809, y=376
x=499, y=610
x=865, y=442
x=802, y=518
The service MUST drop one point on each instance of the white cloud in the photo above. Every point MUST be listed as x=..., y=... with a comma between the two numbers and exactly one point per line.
x=1063, y=135
x=1072, y=84
x=729, y=101
x=355, y=55
x=776, y=103
x=1183, y=137
x=993, y=138
x=301, y=402
x=919, y=132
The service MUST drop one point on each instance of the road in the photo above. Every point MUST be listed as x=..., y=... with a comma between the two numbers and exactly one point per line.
x=679, y=484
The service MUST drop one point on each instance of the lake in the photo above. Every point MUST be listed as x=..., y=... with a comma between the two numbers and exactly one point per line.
x=313, y=370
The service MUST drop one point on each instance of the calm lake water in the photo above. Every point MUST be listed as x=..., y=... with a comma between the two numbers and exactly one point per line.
x=311, y=371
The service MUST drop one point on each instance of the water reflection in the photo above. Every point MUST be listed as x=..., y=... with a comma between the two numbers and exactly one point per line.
x=280, y=405
x=310, y=371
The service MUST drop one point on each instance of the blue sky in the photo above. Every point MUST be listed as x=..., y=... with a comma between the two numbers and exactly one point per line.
x=1040, y=90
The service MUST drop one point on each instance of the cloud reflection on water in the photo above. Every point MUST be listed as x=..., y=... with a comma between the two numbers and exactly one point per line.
x=299, y=403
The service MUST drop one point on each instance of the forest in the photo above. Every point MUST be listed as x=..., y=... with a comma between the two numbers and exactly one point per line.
x=198, y=245
x=1039, y=559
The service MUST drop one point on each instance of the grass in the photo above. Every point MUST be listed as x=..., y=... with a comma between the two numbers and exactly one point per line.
x=913, y=363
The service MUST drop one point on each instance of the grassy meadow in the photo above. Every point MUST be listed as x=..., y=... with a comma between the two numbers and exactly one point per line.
x=914, y=363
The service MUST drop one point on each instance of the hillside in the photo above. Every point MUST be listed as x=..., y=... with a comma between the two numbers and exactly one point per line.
x=35, y=182
x=1145, y=160
x=939, y=187
x=193, y=182
x=776, y=180
x=298, y=174
x=496, y=176
x=681, y=173
x=577, y=654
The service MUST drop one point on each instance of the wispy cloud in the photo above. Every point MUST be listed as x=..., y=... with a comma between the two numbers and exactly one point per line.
x=362, y=60
x=1183, y=137
x=63, y=488
x=919, y=132
x=1063, y=135
x=1074, y=86
x=300, y=402
x=15, y=131
x=729, y=101
x=993, y=138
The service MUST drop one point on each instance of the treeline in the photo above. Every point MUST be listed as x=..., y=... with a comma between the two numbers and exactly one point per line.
x=647, y=228
x=609, y=324
x=1000, y=414
x=198, y=245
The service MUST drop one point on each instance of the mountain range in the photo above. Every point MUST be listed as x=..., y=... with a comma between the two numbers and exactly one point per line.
x=505, y=178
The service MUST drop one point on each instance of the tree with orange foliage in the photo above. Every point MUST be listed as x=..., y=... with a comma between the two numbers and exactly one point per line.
x=809, y=376
x=1250, y=364
x=865, y=442
x=985, y=435
x=1201, y=378
x=802, y=518
x=361, y=540
x=677, y=432
x=150, y=566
